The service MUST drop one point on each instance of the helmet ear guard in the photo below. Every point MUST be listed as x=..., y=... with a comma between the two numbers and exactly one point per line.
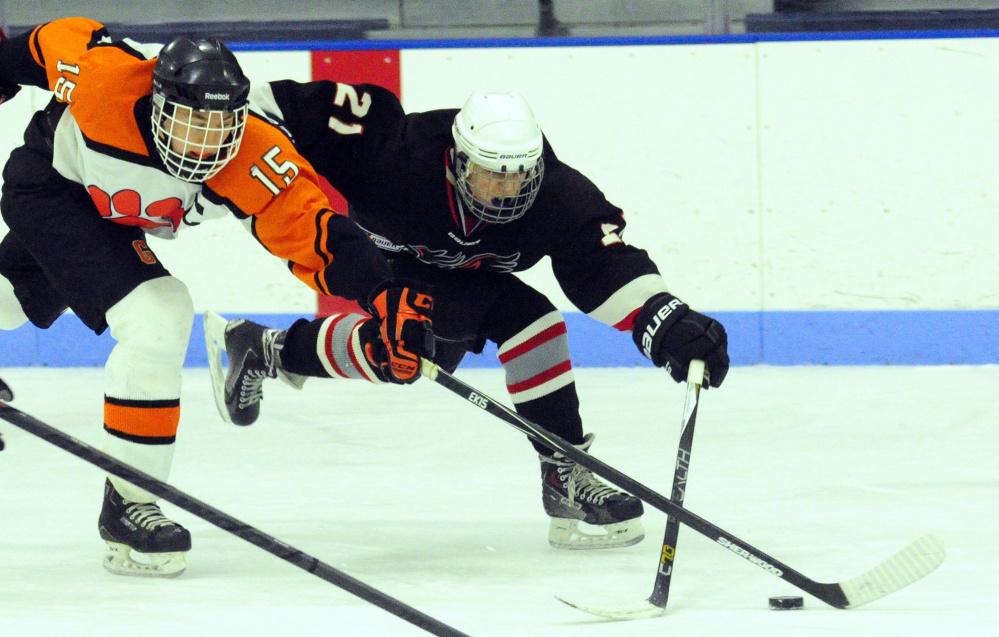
x=200, y=105
x=498, y=143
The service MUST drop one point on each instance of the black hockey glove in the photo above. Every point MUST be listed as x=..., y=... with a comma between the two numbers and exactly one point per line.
x=7, y=90
x=670, y=334
x=406, y=330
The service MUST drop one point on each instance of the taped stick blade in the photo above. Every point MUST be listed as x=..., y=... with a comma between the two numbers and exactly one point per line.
x=642, y=610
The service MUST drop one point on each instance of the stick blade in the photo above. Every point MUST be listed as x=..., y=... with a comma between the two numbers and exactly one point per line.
x=909, y=565
x=642, y=610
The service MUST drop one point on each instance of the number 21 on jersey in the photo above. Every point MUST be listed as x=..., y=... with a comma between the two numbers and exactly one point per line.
x=345, y=93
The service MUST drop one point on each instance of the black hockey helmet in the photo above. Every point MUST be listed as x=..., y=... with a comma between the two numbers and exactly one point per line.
x=201, y=74
x=200, y=105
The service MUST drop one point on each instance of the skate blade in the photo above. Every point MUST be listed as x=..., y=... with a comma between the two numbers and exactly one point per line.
x=215, y=345
x=565, y=533
x=122, y=560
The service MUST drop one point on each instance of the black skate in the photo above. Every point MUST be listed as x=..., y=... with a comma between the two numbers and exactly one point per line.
x=140, y=539
x=572, y=494
x=254, y=353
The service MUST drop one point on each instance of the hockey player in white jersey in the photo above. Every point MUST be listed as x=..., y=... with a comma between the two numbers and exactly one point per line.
x=139, y=140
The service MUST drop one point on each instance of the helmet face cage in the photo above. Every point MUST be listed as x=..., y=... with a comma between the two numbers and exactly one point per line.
x=498, y=156
x=195, y=144
x=497, y=196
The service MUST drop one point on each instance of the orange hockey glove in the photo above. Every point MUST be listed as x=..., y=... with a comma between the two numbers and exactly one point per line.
x=405, y=309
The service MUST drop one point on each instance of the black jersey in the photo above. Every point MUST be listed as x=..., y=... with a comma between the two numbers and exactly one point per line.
x=395, y=170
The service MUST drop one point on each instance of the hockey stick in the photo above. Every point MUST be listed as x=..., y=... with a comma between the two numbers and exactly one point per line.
x=655, y=605
x=6, y=395
x=226, y=522
x=902, y=569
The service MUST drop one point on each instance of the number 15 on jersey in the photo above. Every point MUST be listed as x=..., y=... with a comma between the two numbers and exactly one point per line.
x=287, y=170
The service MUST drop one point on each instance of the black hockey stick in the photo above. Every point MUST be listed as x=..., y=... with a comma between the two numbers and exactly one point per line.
x=655, y=605
x=905, y=567
x=226, y=522
x=6, y=395
x=664, y=574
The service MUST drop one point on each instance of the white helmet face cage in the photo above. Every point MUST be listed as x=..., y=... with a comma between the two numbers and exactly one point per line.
x=195, y=144
x=498, y=160
x=497, y=196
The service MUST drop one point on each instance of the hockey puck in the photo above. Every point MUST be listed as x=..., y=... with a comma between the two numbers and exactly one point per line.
x=786, y=603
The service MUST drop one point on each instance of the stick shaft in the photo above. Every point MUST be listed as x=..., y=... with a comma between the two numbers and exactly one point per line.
x=226, y=522
x=664, y=574
x=831, y=594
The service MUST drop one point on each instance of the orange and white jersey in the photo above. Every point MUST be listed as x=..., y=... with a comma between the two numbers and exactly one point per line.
x=99, y=140
x=124, y=190
x=102, y=139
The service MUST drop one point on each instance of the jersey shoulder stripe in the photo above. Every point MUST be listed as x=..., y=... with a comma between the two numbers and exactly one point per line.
x=36, y=48
x=64, y=40
x=112, y=84
x=138, y=50
x=102, y=82
x=144, y=157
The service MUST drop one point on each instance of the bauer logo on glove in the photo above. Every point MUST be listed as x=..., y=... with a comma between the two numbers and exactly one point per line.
x=670, y=334
x=661, y=315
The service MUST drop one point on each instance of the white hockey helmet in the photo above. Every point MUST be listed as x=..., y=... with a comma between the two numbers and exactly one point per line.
x=498, y=159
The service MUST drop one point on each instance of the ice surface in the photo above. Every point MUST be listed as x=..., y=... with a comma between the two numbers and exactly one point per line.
x=436, y=503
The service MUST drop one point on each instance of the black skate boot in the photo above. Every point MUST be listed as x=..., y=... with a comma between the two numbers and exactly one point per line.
x=254, y=353
x=140, y=539
x=572, y=494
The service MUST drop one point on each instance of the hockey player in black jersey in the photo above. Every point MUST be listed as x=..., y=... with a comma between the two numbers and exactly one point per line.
x=463, y=199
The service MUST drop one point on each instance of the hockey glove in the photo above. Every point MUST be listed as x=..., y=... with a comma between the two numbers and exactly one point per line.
x=405, y=309
x=7, y=90
x=670, y=334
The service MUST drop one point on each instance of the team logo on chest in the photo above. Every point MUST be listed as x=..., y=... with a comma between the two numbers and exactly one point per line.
x=455, y=260
x=451, y=260
x=127, y=208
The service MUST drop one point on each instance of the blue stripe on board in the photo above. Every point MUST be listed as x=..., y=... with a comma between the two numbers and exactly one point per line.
x=916, y=337
x=652, y=40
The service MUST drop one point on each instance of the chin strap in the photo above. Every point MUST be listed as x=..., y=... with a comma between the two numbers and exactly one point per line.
x=458, y=213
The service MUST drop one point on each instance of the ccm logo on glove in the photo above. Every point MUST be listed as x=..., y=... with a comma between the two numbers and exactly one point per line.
x=405, y=309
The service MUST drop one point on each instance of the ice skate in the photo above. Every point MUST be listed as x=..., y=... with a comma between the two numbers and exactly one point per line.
x=254, y=353
x=572, y=495
x=140, y=539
